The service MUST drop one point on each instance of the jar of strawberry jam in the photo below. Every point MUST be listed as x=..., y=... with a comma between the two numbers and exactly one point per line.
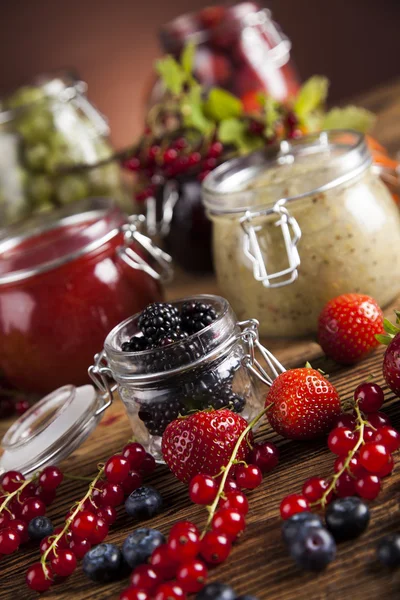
x=213, y=368
x=65, y=280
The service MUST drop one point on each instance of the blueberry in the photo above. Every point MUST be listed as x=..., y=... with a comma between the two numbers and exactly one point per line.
x=347, y=518
x=140, y=544
x=143, y=503
x=39, y=528
x=103, y=563
x=216, y=591
x=388, y=550
x=298, y=522
x=313, y=549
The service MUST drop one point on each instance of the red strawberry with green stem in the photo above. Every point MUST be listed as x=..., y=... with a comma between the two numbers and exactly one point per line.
x=203, y=442
x=305, y=404
x=347, y=327
x=391, y=359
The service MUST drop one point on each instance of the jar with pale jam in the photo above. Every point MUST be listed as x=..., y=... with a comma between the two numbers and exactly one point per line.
x=296, y=225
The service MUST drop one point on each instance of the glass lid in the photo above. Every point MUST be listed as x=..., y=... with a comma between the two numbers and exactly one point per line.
x=51, y=429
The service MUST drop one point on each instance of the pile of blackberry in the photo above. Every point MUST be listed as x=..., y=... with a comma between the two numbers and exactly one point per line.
x=157, y=415
x=161, y=324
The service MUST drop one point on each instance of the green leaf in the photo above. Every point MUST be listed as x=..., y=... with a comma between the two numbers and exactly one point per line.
x=311, y=96
x=383, y=339
x=235, y=132
x=187, y=57
x=390, y=328
x=171, y=73
x=350, y=117
x=222, y=105
x=272, y=115
x=192, y=107
x=308, y=365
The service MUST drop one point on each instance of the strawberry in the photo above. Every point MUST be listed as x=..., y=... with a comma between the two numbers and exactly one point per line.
x=347, y=327
x=391, y=360
x=305, y=404
x=203, y=442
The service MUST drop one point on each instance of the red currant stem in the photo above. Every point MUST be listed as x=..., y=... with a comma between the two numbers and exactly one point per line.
x=245, y=432
x=360, y=428
x=79, y=506
x=17, y=492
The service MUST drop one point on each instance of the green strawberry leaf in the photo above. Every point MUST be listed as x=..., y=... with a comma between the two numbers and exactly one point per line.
x=308, y=365
x=222, y=105
x=397, y=313
x=312, y=95
x=349, y=117
x=390, y=328
x=187, y=57
x=383, y=339
x=192, y=108
x=235, y=132
x=171, y=73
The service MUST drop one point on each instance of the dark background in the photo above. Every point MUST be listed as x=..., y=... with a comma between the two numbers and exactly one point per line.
x=112, y=44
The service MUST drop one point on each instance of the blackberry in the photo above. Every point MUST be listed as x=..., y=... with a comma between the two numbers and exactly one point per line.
x=158, y=320
x=135, y=344
x=171, y=337
x=216, y=393
x=157, y=415
x=195, y=316
x=226, y=398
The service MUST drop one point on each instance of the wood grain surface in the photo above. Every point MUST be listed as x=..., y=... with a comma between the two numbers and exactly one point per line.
x=259, y=563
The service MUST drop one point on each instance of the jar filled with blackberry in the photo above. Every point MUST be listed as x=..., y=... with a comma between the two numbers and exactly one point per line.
x=171, y=360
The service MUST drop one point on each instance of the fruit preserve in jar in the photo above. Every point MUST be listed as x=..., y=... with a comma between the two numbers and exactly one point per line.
x=65, y=280
x=202, y=364
x=239, y=48
x=298, y=224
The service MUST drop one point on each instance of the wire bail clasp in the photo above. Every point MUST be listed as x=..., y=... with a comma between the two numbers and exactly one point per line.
x=101, y=374
x=291, y=234
x=249, y=335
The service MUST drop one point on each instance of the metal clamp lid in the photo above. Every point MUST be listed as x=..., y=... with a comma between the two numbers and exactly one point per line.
x=249, y=335
x=291, y=233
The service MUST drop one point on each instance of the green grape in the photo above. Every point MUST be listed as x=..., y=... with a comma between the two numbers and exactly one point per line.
x=71, y=188
x=36, y=156
x=25, y=95
x=35, y=125
x=40, y=189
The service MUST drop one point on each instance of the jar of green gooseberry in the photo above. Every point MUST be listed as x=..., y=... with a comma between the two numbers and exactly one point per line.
x=50, y=138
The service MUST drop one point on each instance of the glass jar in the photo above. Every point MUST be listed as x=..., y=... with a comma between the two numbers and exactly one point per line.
x=45, y=130
x=298, y=224
x=214, y=368
x=65, y=280
x=239, y=48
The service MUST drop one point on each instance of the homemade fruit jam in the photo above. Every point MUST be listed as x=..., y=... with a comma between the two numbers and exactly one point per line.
x=65, y=281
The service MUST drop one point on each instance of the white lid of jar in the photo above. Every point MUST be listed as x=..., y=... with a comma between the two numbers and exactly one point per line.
x=51, y=429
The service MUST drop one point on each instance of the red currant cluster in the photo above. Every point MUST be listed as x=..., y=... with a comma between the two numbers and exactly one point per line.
x=21, y=501
x=363, y=443
x=88, y=521
x=180, y=566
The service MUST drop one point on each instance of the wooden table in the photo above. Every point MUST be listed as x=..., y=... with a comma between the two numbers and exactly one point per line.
x=259, y=563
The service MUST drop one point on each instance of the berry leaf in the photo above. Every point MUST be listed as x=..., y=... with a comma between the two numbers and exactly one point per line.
x=187, y=57
x=222, y=105
x=311, y=96
x=389, y=327
x=349, y=117
x=383, y=339
x=272, y=115
x=192, y=107
x=235, y=132
x=171, y=73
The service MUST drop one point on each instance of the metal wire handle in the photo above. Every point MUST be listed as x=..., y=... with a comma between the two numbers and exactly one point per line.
x=162, y=226
x=291, y=233
x=250, y=336
x=100, y=374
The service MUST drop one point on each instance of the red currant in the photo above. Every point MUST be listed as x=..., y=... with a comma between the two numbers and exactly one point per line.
x=64, y=564
x=170, y=591
x=107, y=513
x=152, y=152
x=45, y=545
x=47, y=497
x=388, y=468
x=31, y=508
x=65, y=540
x=183, y=546
x=132, y=164
x=369, y=396
x=21, y=527
x=201, y=176
x=209, y=164
x=84, y=525
x=194, y=159
x=314, y=488
x=145, y=577
x=203, y=489
x=230, y=485
x=292, y=504
x=9, y=541
x=112, y=494
x=183, y=527
x=248, y=476
x=4, y=519
x=50, y=478
x=192, y=576
x=215, y=150
x=368, y=486
x=256, y=127
x=163, y=563
x=229, y=522
x=134, y=594
x=368, y=434
x=215, y=548
x=180, y=143
x=341, y=440
x=116, y=469
x=148, y=465
x=345, y=420
x=134, y=454
x=169, y=156
x=354, y=465
x=236, y=500
x=345, y=485
x=29, y=491
x=11, y=481
x=37, y=579
x=265, y=456
x=374, y=457
x=80, y=547
x=378, y=420
x=100, y=532
x=388, y=436
x=132, y=482
x=21, y=406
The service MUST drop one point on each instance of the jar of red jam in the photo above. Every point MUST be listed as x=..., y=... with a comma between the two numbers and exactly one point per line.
x=65, y=280
x=239, y=48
